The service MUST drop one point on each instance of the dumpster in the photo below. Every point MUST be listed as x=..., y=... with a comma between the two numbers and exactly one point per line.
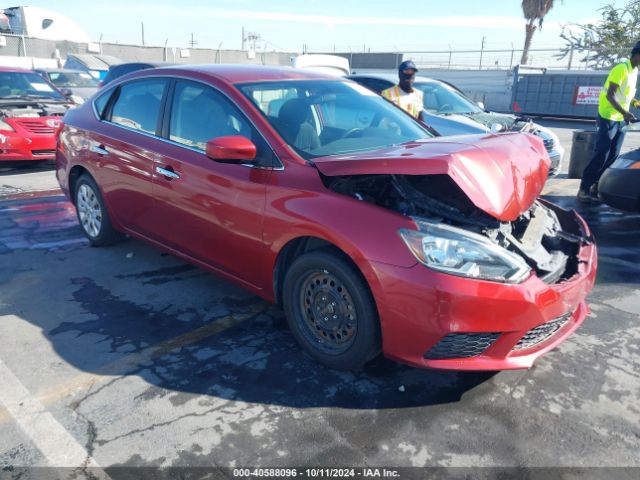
x=581, y=151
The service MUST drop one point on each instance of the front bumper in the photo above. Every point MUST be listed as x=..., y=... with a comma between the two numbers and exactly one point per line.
x=620, y=188
x=15, y=147
x=556, y=162
x=419, y=308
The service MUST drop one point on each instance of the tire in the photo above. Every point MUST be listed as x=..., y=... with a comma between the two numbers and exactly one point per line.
x=330, y=311
x=92, y=213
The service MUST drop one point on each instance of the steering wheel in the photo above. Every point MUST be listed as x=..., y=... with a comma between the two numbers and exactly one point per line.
x=444, y=108
x=353, y=133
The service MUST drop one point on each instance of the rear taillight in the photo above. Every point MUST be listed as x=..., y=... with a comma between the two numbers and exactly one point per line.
x=56, y=134
x=58, y=130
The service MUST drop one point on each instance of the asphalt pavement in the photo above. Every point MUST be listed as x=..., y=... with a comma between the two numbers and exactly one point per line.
x=126, y=356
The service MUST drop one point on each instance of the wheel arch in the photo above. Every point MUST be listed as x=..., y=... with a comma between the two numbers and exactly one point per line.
x=298, y=246
x=74, y=174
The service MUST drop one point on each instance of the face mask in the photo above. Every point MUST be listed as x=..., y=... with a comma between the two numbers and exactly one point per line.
x=406, y=76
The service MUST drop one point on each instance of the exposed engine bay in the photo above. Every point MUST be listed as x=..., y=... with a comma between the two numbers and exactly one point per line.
x=33, y=110
x=546, y=237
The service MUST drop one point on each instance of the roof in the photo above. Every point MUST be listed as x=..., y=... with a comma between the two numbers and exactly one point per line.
x=252, y=73
x=147, y=64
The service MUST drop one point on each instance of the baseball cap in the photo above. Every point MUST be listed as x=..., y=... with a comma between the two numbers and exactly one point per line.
x=409, y=65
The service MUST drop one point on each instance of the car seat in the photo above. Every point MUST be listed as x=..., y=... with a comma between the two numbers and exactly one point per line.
x=201, y=119
x=293, y=122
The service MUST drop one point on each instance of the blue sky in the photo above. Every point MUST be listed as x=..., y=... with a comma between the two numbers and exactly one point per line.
x=321, y=24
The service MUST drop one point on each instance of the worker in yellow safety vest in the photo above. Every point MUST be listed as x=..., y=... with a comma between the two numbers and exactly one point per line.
x=403, y=94
x=615, y=100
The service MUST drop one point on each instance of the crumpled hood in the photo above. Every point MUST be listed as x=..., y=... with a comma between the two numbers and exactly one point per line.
x=502, y=174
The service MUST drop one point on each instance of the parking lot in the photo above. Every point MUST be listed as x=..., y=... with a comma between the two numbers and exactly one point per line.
x=126, y=356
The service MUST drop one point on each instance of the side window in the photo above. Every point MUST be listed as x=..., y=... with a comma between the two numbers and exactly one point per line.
x=138, y=105
x=101, y=102
x=270, y=101
x=199, y=114
x=430, y=99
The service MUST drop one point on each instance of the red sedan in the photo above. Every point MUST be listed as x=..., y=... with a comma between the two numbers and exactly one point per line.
x=30, y=112
x=317, y=194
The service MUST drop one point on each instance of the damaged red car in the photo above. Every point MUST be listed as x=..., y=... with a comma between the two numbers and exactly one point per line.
x=317, y=194
x=31, y=110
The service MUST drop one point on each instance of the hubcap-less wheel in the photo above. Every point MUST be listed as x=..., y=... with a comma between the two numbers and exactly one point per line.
x=328, y=312
x=89, y=210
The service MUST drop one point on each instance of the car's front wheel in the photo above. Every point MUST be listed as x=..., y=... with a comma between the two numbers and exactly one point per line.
x=92, y=213
x=330, y=311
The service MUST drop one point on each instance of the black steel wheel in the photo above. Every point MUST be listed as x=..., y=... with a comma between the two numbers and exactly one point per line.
x=330, y=311
x=92, y=213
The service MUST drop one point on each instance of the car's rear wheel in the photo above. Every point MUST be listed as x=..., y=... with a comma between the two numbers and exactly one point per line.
x=330, y=311
x=92, y=213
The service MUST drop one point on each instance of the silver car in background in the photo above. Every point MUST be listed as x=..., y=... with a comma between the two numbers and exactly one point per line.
x=450, y=112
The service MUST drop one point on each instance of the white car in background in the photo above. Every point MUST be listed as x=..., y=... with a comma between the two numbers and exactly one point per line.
x=327, y=64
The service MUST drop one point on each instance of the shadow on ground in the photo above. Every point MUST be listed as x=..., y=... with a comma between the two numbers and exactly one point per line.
x=181, y=329
x=188, y=333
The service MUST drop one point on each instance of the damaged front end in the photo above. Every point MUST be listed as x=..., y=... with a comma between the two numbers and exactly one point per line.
x=455, y=236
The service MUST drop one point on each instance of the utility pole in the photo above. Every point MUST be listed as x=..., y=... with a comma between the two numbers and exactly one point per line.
x=142, y=25
x=192, y=42
x=481, y=52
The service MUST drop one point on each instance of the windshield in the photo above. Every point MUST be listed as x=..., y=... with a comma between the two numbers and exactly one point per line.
x=330, y=117
x=72, y=80
x=18, y=85
x=440, y=98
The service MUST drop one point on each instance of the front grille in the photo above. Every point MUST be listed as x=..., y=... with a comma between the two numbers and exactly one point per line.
x=549, y=144
x=36, y=126
x=43, y=152
x=542, y=332
x=461, y=345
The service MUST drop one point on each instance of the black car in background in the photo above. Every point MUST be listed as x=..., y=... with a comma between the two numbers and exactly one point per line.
x=619, y=185
x=121, y=69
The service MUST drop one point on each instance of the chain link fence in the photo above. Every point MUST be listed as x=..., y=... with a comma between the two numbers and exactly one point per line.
x=17, y=46
x=483, y=59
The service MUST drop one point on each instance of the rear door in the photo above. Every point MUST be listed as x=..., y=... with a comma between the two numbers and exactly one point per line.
x=123, y=149
x=210, y=210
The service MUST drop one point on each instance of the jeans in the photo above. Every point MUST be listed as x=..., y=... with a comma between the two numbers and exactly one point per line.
x=607, y=148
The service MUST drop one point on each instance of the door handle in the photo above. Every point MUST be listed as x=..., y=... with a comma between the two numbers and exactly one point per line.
x=99, y=150
x=167, y=173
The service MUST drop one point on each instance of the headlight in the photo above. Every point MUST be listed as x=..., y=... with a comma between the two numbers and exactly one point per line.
x=5, y=126
x=622, y=162
x=459, y=252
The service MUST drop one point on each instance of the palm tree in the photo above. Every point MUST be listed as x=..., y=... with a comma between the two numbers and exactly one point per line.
x=534, y=11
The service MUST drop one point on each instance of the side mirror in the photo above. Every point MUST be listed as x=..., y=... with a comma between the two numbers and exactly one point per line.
x=66, y=92
x=235, y=149
x=480, y=104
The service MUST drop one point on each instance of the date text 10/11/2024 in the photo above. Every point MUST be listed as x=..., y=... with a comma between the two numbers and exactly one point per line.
x=315, y=473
